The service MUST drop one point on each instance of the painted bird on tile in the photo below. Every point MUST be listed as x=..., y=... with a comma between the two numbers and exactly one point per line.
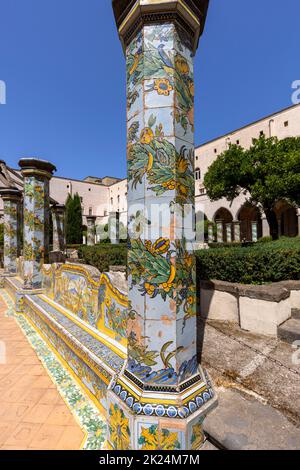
x=168, y=66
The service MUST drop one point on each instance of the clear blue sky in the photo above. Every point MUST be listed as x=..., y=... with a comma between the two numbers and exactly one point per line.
x=65, y=75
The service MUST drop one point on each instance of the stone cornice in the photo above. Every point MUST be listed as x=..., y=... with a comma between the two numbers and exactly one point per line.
x=10, y=194
x=34, y=166
x=131, y=15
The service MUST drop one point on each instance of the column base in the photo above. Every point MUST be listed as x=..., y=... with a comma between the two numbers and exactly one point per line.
x=161, y=418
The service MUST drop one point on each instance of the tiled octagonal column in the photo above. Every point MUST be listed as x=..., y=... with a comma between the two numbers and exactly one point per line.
x=36, y=174
x=12, y=201
x=91, y=224
x=161, y=398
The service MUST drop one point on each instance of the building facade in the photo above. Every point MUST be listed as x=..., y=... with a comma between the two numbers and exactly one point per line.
x=253, y=224
x=101, y=197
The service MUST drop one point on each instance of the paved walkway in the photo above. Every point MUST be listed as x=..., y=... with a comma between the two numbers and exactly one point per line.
x=32, y=413
x=258, y=385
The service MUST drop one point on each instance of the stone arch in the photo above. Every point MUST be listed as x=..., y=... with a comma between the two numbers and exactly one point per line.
x=225, y=217
x=287, y=218
x=248, y=214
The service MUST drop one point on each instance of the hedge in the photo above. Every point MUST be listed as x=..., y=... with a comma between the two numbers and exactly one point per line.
x=258, y=264
x=104, y=255
x=262, y=263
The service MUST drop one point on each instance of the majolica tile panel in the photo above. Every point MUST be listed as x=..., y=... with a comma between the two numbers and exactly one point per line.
x=11, y=235
x=36, y=228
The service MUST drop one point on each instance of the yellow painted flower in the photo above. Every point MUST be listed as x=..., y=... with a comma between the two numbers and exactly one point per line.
x=149, y=288
x=118, y=311
x=189, y=260
x=163, y=86
x=107, y=302
x=197, y=436
x=191, y=300
x=183, y=190
x=119, y=428
x=181, y=65
x=147, y=136
x=153, y=439
x=182, y=165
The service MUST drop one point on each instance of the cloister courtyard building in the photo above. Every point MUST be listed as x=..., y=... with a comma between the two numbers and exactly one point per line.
x=101, y=197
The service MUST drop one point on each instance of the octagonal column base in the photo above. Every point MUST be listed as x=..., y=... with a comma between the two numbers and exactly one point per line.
x=140, y=419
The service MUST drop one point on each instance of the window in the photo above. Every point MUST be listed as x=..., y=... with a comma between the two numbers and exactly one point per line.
x=196, y=158
x=198, y=174
x=237, y=142
x=89, y=189
x=215, y=150
x=286, y=124
x=202, y=191
x=261, y=133
x=81, y=200
x=68, y=186
x=111, y=201
x=90, y=211
x=118, y=199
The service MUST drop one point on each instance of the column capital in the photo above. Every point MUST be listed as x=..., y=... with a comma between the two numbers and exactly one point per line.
x=132, y=15
x=35, y=166
x=8, y=194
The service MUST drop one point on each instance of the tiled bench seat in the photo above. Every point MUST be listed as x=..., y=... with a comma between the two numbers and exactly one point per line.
x=93, y=357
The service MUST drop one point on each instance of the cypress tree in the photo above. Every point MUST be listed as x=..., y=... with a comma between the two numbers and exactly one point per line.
x=73, y=220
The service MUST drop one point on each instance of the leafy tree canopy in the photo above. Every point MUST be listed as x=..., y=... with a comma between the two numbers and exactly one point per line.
x=267, y=172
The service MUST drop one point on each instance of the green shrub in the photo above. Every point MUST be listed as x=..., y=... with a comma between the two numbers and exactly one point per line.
x=265, y=240
x=104, y=255
x=230, y=245
x=258, y=264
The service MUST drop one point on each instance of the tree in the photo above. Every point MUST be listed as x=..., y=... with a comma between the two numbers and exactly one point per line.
x=267, y=172
x=73, y=220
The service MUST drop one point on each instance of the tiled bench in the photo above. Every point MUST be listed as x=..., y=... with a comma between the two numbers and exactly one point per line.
x=93, y=357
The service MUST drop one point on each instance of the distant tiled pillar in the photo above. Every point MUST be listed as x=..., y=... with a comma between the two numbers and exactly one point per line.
x=279, y=227
x=265, y=227
x=220, y=231
x=114, y=227
x=91, y=230
x=36, y=174
x=160, y=399
x=58, y=222
x=254, y=229
x=211, y=233
x=229, y=232
x=237, y=231
x=11, y=201
x=57, y=254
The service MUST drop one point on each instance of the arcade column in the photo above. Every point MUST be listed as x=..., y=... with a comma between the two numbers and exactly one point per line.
x=162, y=396
x=12, y=203
x=59, y=237
x=36, y=174
x=91, y=229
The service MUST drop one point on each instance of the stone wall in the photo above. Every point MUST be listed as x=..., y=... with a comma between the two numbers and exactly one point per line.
x=258, y=309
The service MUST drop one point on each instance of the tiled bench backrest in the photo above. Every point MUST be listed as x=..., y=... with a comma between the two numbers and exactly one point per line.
x=89, y=295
